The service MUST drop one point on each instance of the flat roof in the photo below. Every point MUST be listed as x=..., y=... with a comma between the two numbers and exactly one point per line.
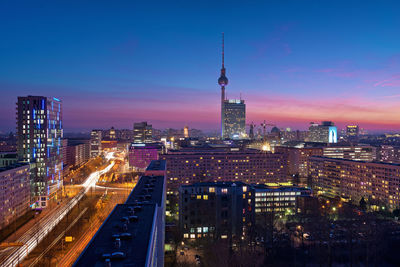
x=148, y=194
x=134, y=247
x=357, y=161
x=157, y=165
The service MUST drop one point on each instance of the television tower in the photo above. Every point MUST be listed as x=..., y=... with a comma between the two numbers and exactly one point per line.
x=222, y=81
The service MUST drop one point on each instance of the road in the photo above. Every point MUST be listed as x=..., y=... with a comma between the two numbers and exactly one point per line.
x=34, y=235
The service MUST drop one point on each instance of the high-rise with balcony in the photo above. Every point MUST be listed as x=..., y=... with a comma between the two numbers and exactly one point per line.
x=39, y=128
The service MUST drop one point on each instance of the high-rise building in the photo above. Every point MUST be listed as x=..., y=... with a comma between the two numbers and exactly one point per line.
x=142, y=132
x=234, y=119
x=39, y=128
x=233, y=112
x=95, y=143
x=323, y=133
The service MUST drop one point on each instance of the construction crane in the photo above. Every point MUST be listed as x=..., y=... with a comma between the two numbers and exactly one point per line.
x=264, y=125
x=251, y=131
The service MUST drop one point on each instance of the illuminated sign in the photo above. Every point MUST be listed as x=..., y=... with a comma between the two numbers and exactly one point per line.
x=332, y=134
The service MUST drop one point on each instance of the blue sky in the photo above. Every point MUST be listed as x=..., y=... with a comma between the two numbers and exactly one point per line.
x=114, y=63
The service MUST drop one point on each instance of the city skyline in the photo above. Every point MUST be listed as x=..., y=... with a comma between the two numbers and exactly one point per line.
x=131, y=68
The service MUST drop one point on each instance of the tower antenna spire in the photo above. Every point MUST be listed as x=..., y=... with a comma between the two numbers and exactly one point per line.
x=223, y=46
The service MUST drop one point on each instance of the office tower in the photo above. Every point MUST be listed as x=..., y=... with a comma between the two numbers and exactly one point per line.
x=323, y=133
x=195, y=165
x=142, y=132
x=134, y=233
x=358, y=152
x=95, y=143
x=220, y=210
x=8, y=158
x=233, y=112
x=234, y=119
x=377, y=183
x=15, y=192
x=39, y=128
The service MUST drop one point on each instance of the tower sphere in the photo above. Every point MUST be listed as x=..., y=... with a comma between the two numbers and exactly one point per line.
x=223, y=81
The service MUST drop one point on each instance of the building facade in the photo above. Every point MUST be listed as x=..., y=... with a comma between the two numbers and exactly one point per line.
x=8, y=158
x=141, y=155
x=15, y=192
x=39, y=128
x=142, y=132
x=352, y=180
x=221, y=210
x=389, y=154
x=358, y=152
x=277, y=199
x=326, y=132
x=95, y=143
x=234, y=119
x=214, y=165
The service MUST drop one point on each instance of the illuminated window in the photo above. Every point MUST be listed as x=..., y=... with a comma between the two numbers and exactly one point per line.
x=185, y=235
x=205, y=197
x=224, y=236
x=211, y=189
x=198, y=196
x=224, y=190
x=205, y=229
x=199, y=229
x=193, y=236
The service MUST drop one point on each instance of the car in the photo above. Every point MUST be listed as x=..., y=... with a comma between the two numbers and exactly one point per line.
x=197, y=257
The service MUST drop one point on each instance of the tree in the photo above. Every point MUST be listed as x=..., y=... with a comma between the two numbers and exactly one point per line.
x=363, y=204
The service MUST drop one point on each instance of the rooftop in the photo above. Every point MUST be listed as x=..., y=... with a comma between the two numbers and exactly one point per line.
x=131, y=223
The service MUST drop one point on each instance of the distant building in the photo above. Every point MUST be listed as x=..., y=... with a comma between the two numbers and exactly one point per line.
x=352, y=130
x=323, y=133
x=357, y=152
x=377, y=182
x=39, y=128
x=193, y=165
x=8, y=158
x=15, y=192
x=220, y=210
x=133, y=234
x=78, y=152
x=142, y=132
x=95, y=143
x=389, y=153
x=140, y=155
x=186, y=132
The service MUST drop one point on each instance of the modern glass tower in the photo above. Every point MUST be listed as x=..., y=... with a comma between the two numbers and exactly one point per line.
x=39, y=129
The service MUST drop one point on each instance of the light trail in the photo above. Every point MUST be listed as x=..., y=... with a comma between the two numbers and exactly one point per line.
x=39, y=231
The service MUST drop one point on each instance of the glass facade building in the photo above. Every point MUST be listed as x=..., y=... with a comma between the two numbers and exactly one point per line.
x=39, y=128
x=234, y=119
